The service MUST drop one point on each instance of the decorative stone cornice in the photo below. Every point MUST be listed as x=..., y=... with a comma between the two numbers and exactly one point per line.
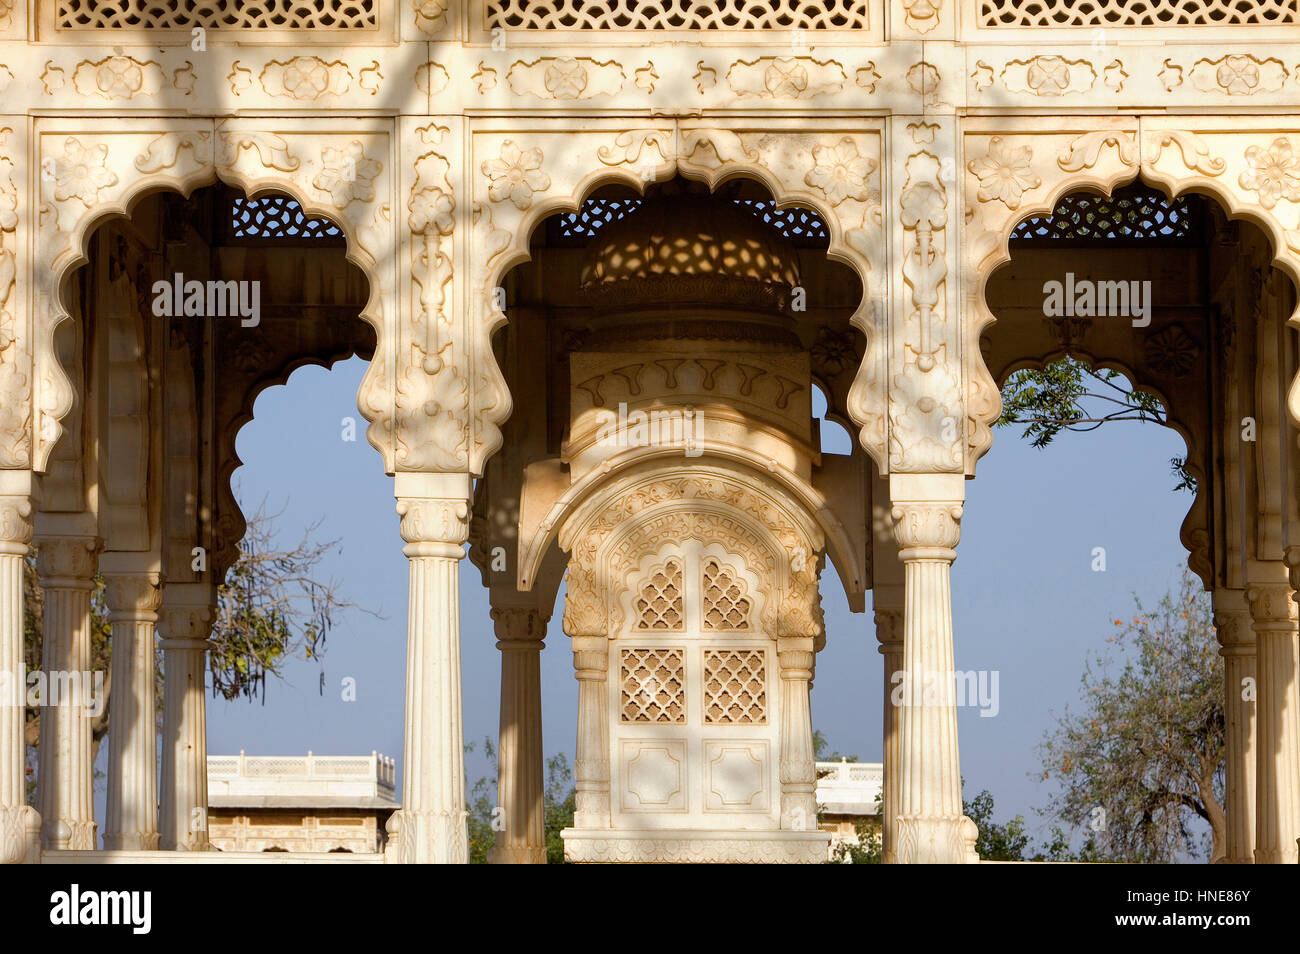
x=927, y=529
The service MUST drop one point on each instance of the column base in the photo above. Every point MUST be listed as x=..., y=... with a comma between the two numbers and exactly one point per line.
x=20, y=836
x=695, y=846
x=517, y=855
x=936, y=841
x=427, y=838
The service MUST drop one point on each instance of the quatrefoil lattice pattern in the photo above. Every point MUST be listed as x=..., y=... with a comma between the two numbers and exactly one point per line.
x=679, y=14
x=659, y=602
x=1082, y=13
x=212, y=15
x=735, y=687
x=652, y=687
x=726, y=605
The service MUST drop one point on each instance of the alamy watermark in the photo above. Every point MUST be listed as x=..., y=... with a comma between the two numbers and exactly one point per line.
x=1089, y=299
x=657, y=428
x=956, y=688
x=208, y=299
x=32, y=688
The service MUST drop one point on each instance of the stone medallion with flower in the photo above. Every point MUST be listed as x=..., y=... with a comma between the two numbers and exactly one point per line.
x=1004, y=173
x=840, y=172
x=346, y=174
x=516, y=175
x=82, y=172
x=1273, y=172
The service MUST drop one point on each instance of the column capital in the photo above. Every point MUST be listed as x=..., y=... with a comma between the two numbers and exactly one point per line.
x=1272, y=607
x=434, y=526
x=185, y=626
x=67, y=561
x=889, y=629
x=519, y=628
x=16, y=527
x=132, y=596
x=927, y=529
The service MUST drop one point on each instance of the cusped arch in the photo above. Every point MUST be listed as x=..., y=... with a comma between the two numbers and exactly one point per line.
x=504, y=229
x=1099, y=161
x=182, y=162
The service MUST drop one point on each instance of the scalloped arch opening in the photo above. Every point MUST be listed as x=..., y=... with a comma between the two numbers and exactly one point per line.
x=276, y=291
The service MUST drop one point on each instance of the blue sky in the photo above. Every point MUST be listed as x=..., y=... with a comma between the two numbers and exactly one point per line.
x=1026, y=601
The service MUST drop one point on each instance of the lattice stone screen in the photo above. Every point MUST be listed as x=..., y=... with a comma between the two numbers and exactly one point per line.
x=674, y=15
x=251, y=19
x=798, y=224
x=1140, y=214
x=735, y=687
x=1090, y=13
x=277, y=217
x=726, y=607
x=652, y=686
x=659, y=603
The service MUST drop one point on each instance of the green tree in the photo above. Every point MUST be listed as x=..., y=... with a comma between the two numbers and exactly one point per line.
x=1067, y=395
x=1144, y=756
x=271, y=608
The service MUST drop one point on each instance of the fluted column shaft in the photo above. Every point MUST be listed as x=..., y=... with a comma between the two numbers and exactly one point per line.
x=17, y=818
x=591, y=767
x=65, y=785
x=889, y=632
x=131, y=820
x=798, y=768
x=183, y=810
x=930, y=824
x=1277, y=713
x=520, y=760
x=431, y=826
x=1232, y=623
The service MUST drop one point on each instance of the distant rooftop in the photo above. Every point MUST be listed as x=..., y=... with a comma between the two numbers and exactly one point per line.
x=849, y=788
x=314, y=781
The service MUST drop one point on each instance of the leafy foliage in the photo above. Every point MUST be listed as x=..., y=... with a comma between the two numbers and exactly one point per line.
x=1067, y=395
x=1145, y=756
x=270, y=608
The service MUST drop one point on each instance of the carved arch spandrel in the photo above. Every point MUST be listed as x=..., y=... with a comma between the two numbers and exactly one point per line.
x=87, y=174
x=521, y=175
x=1250, y=167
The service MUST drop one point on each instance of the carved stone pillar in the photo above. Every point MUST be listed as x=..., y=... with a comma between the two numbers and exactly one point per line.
x=798, y=768
x=65, y=785
x=889, y=633
x=931, y=826
x=131, y=821
x=1277, y=756
x=520, y=769
x=430, y=828
x=18, y=820
x=591, y=767
x=183, y=811
x=1232, y=622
